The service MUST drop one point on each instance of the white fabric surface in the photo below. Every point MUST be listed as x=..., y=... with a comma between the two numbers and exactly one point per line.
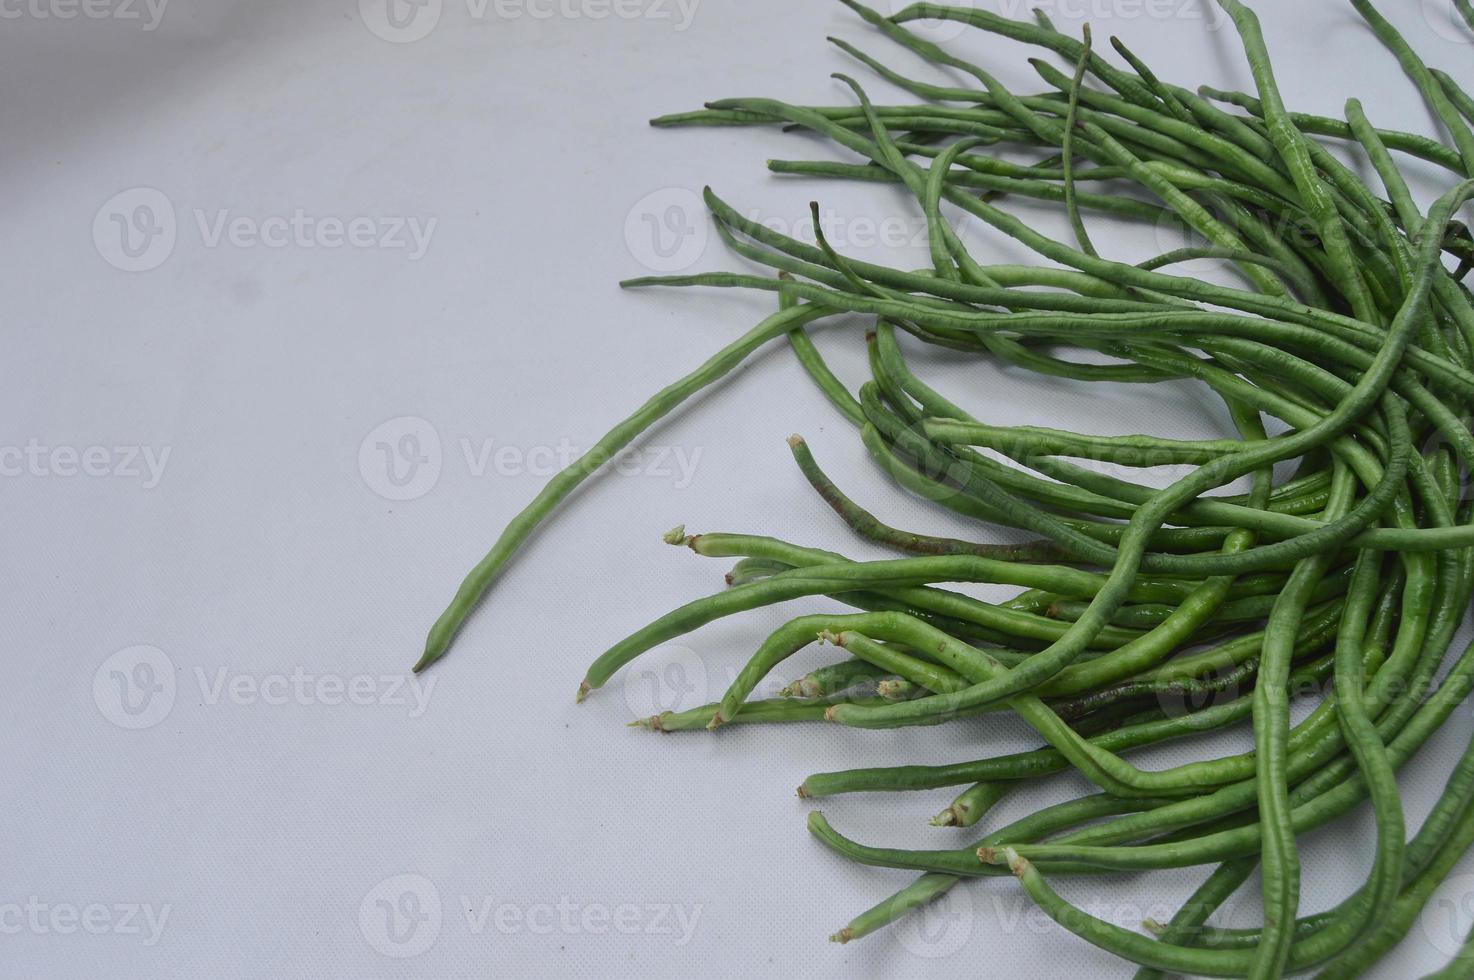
x=214, y=764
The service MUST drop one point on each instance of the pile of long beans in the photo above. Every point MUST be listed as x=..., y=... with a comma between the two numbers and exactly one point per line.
x=1145, y=614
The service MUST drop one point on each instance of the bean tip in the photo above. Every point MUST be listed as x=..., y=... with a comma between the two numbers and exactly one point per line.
x=795, y=440
x=584, y=687
x=892, y=689
x=676, y=535
x=803, y=792
x=947, y=818
x=843, y=936
x=436, y=644
x=804, y=687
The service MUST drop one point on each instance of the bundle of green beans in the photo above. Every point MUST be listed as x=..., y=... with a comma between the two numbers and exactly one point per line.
x=1146, y=614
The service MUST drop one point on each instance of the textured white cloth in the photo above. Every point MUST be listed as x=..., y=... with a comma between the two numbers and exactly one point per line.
x=304, y=302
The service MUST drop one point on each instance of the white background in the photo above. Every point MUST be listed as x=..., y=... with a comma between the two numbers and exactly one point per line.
x=268, y=828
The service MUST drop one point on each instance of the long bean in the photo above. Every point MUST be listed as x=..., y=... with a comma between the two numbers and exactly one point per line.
x=1143, y=613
